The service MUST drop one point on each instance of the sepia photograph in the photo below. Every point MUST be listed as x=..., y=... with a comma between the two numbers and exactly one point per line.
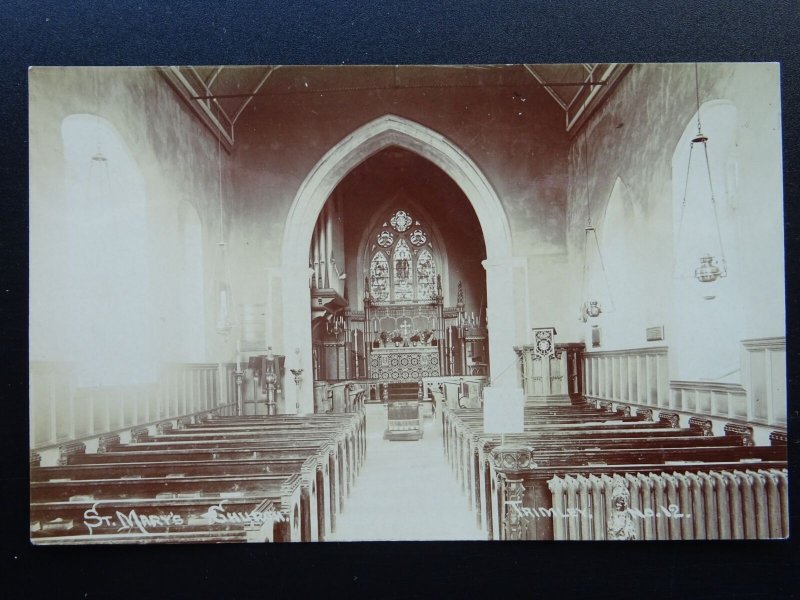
x=351, y=303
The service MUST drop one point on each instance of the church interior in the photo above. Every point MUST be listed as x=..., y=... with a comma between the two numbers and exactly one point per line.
x=277, y=303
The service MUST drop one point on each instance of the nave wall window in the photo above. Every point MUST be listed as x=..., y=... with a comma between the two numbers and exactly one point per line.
x=191, y=286
x=109, y=293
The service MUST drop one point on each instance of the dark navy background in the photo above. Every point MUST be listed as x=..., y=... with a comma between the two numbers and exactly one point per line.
x=122, y=32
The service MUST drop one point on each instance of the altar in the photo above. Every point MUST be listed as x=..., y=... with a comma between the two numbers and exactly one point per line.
x=404, y=363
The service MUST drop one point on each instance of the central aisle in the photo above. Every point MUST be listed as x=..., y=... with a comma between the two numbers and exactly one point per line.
x=406, y=491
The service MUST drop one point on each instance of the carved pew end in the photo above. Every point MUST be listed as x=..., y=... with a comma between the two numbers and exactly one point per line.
x=746, y=431
x=107, y=442
x=65, y=451
x=139, y=434
x=703, y=425
x=778, y=438
x=164, y=427
x=671, y=418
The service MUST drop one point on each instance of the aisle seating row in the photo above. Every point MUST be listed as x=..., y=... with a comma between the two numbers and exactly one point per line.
x=585, y=472
x=216, y=479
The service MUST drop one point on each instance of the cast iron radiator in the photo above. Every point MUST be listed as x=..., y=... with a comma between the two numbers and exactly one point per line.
x=737, y=504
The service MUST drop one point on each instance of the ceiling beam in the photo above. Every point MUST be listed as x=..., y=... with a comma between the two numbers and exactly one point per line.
x=256, y=90
x=202, y=109
x=611, y=76
x=541, y=81
x=213, y=78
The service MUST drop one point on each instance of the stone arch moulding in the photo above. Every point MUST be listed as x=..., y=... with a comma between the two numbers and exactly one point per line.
x=391, y=130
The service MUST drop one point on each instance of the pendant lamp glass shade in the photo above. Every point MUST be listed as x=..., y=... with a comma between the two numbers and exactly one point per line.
x=708, y=270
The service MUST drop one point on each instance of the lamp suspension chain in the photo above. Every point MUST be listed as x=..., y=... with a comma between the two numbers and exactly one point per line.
x=219, y=186
x=588, y=216
x=586, y=178
x=704, y=139
x=591, y=309
x=225, y=321
x=706, y=272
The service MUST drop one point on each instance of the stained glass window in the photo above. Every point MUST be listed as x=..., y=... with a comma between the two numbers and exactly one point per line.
x=403, y=283
x=385, y=239
x=426, y=276
x=401, y=220
x=379, y=277
x=402, y=261
x=418, y=237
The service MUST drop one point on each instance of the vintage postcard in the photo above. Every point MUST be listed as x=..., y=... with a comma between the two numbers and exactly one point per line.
x=435, y=302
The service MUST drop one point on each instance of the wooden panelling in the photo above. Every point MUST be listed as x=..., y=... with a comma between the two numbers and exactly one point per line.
x=708, y=398
x=764, y=378
x=641, y=377
x=638, y=376
x=61, y=411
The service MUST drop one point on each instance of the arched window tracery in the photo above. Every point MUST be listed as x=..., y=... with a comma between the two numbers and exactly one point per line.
x=402, y=261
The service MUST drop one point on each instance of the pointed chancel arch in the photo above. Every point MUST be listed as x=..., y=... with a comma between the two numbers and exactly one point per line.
x=390, y=130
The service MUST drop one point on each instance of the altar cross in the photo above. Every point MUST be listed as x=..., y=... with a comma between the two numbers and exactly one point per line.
x=405, y=327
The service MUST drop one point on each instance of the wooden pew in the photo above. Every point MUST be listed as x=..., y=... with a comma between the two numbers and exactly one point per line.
x=269, y=510
x=356, y=444
x=239, y=430
x=469, y=444
x=315, y=482
x=466, y=425
x=356, y=420
x=312, y=468
x=454, y=420
x=350, y=449
x=231, y=458
x=551, y=449
x=217, y=448
x=691, y=501
x=354, y=424
x=607, y=450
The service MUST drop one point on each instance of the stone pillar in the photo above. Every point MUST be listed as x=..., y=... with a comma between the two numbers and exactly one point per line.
x=315, y=241
x=329, y=273
x=506, y=317
x=297, y=330
x=323, y=251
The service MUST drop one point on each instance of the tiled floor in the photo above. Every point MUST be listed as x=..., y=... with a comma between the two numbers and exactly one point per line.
x=406, y=491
